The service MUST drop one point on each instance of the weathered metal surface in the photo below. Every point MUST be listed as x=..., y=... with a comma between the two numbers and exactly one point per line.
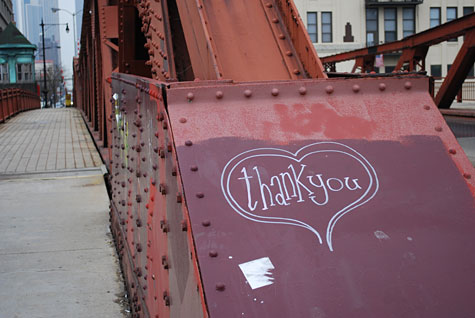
x=330, y=200
x=265, y=50
x=149, y=216
x=458, y=71
x=414, y=50
x=13, y=101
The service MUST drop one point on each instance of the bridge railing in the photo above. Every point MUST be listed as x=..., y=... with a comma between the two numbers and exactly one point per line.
x=14, y=100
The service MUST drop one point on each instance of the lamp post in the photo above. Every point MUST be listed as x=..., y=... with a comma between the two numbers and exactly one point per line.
x=45, y=88
x=74, y=24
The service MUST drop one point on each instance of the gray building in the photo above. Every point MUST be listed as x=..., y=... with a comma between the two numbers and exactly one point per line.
x=6, y=13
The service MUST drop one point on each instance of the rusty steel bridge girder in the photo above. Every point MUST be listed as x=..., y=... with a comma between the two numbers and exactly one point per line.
x=414, y=50
x=245, y=183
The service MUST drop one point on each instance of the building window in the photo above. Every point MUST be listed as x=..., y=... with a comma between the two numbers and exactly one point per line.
x=436, y=70
x=451, y=15
x=434, y=17
x=4, y=78
x=312, y=26
x=390, y=25
x=24, y=72
x=448, y=68
x=408, y=22
x=327, y=27
x=389, y=69
x=467, y=10
x=372, y=26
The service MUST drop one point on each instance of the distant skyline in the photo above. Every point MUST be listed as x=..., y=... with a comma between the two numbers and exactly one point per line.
x=29, y=25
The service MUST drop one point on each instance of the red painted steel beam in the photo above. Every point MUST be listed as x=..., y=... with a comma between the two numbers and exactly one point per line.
x=255, y=40
x=458, y=72
x=429, y=37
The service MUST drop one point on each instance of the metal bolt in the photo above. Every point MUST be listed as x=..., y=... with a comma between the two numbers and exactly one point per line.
x=220, y=287
x=426, y=107
x=329, y=89
x=275, y=92
x=200, y=195
x=467, y=175
x=248, y=93
x=302, y=90
x=407, y=85
x=188, y=143
x=206, y=223
x=219, y=94
x=190, y=96
x=288, y=53
x=275, y=20
x=438, y=128
x=194, y=168
x=296, y=72
x=182, y=120
x=213, y=253
x=452, y=151
x=282, y=36
x=356, y=88
x=382, y=86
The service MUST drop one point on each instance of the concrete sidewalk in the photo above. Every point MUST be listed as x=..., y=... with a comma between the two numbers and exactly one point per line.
x=57, y=257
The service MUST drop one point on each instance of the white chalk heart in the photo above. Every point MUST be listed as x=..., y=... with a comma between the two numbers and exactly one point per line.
x=262, y=178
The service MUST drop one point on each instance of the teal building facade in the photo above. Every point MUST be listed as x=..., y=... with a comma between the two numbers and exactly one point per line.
x=17, y=60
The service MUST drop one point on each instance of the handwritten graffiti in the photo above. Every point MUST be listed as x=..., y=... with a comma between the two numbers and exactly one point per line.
x=268, y=185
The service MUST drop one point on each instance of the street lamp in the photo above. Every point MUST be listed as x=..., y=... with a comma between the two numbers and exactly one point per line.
x=45, y=88
x=74, y=24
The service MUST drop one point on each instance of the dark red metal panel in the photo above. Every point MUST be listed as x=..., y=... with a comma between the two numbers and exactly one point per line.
x=317, y=198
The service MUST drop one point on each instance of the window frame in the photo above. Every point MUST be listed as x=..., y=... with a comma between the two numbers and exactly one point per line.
x=4, y=76
x=447, y=18
x=375, y=33
x=313, y=24
x=440, y=70
x=330, y=24
x=394, y=9
x=413, y=22
x=439, y=19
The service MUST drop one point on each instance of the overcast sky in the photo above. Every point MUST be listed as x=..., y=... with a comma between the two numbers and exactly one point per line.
x=67, y=39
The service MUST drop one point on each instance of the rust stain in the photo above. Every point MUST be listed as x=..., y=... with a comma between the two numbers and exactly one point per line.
x=307, y=120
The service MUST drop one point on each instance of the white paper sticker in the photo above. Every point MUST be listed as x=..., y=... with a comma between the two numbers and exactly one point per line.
x=258, y=272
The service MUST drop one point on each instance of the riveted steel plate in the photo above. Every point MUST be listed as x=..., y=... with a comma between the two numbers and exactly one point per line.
x=335, y=198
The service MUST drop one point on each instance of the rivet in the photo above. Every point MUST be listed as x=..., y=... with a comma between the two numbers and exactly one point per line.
x=452, y=151
x=213, y=253
x=220, y=286
x=275, y=20
x=190, y=96
x=200, y=195
x=289, y=53
x=382, y=86
x=407, y=85
x=296, y=72
x=329, y=89
x=275, y=92
x=206, y=223
x=194, y=168
x=438, y=128
x=248, y=93
x=282, y=36
x=219, y=94
x=182, y=120
x=269, y=5
x=188, y=143
x=302, y=90
x=426, y=107
x=467, y=175
x=356, y=88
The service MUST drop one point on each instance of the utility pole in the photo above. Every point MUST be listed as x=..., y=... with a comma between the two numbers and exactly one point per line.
x=45, y=88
